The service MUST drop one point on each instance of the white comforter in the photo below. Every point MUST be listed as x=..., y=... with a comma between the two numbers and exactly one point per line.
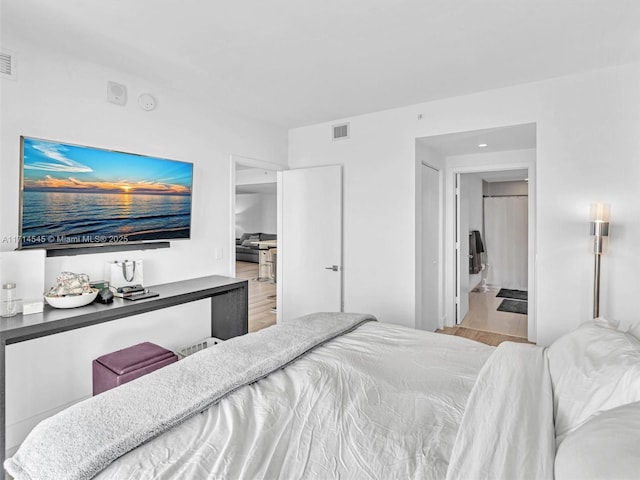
x=382, y=402
x=507, y=431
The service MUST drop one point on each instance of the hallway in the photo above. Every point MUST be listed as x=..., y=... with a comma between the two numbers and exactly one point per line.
x=483, y=315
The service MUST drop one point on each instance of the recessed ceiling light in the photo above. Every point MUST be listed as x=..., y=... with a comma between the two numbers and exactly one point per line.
x=482, y=145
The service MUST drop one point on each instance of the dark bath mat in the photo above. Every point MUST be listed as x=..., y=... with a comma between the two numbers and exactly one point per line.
x=513, y=306
x=516, y=294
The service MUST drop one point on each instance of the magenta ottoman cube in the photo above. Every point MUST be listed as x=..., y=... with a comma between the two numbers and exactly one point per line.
x=124, y=365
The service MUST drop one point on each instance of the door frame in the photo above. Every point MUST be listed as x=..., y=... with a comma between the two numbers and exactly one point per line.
x=234, y=161
x=451, y=273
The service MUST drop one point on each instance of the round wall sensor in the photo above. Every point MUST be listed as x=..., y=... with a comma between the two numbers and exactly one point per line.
x=147, y=102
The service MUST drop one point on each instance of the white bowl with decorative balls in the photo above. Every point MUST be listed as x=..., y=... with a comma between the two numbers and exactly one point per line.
x=72, y=301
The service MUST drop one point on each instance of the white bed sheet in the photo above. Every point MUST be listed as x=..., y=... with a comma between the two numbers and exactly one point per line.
x=342, y=411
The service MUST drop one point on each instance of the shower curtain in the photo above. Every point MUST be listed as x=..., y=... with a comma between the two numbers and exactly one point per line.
x=506, y=227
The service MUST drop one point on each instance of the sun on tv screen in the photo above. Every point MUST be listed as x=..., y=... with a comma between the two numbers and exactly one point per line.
x=73, y=196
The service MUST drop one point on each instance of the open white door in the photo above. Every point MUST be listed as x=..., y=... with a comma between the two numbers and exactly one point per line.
x=462, y=245
x=309, y=241
x=462, y=252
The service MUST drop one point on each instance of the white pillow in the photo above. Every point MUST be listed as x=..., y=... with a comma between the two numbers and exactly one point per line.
x=594, y=368
x=635, y=329
x=605, y=447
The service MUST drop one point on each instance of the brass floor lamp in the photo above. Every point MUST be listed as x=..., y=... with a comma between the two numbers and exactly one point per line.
x=600, y=232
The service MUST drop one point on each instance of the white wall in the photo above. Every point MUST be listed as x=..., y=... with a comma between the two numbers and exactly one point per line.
x=472, y=182
x=256, y=212
x=62, y=98
x=255, y=176
x=587, y=150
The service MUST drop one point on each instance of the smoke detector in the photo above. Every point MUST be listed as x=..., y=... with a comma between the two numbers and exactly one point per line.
x=147, y=102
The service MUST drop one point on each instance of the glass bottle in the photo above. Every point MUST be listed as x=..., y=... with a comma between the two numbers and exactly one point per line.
x=8, y=300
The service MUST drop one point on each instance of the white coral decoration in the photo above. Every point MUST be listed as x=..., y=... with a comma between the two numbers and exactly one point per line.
x=69, y=283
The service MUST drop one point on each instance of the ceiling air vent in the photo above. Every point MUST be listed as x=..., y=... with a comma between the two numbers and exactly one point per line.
x=7, y=64
x=340, y=132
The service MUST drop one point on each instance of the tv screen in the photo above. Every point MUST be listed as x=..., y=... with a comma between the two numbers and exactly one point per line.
x=74, y=196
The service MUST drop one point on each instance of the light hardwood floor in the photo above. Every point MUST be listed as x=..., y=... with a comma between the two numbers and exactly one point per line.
x=262, y=297
x=493, y=339
x=262, y=303
x=483, y=315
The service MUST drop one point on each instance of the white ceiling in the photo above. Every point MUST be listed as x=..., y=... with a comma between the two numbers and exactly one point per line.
x=499, y=139
x=294, y=63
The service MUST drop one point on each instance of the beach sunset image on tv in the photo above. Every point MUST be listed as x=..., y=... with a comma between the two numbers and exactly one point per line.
x=74, y=195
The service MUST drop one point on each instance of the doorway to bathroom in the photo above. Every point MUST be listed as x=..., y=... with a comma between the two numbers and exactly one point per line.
x=492, y=231
x=482, y=169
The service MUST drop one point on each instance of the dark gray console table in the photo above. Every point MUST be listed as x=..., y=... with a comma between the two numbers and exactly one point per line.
x=229, y=318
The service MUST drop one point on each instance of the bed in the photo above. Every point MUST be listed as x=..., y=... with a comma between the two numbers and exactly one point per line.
x=344, y=396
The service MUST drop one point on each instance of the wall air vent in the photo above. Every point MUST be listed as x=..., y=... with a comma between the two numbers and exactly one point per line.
x=340, y=132
x=7, y=64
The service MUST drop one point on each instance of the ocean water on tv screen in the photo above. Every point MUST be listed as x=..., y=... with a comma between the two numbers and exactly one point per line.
x=76, y=218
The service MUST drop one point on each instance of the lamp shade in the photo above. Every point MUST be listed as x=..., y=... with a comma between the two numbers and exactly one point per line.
x=600, y=219
x=600, y=212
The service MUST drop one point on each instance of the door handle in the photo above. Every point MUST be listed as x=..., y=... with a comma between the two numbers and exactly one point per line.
x=335, y=268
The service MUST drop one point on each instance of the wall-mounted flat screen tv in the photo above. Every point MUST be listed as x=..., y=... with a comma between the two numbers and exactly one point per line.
x=76, y=196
